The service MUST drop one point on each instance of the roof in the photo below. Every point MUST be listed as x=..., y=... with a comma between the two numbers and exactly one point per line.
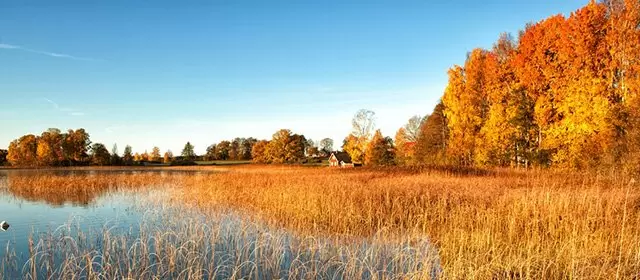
x=342, y=156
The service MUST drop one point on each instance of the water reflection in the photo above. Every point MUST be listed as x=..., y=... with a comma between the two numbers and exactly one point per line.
x=80, y=187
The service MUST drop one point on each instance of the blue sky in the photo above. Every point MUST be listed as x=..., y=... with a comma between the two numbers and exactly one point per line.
x=161, y=73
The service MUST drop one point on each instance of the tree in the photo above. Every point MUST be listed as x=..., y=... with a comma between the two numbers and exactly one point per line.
x=3, y=156
x=326, y=145
x=234, y=149
x=23, y=151
x=100, y=155
x=76, y=146
x=379, y=151
x=127, y=157
x=187, y=152
x=247, y=148
x=155, y=155
x=223, y=150
x=352, y=146
x=259, y=152
x=363, y=123
x=404, y=148
x=168, y=157
x=286, y=147
x=115, y=158
x=431, y=145
x=137, y=157
x=211, y=153
x=49, y=149
x=466, y=106
x=412, y=128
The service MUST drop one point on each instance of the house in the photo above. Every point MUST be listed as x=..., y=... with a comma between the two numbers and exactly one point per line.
x=340, y=159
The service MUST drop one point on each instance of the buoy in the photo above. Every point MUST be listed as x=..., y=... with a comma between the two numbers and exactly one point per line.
x=4, y=226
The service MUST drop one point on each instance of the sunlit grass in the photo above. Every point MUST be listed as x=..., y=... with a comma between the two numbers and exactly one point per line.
x=500, y=224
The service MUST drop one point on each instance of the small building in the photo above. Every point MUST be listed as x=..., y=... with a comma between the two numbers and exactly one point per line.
x=340, y=159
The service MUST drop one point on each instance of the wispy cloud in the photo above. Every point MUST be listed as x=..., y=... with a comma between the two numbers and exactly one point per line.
x=51, y=54
x=57, y=107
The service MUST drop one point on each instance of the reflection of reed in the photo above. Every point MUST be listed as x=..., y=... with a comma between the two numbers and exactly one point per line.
x=79, y=188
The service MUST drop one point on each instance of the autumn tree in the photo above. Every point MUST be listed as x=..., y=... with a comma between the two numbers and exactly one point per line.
x=352, y=146
x=259, y=152
x=76, y=146
x=23, y=151
x=404, y=148
x=187, y=152
x=49, y=149
x=431, y=145
x=379, y=151
x=99, y=154
x=363, y=124
x=155, y=155
x=168, y=157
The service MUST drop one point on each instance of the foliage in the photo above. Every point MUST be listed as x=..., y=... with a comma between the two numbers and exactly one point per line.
x=380, y=151
x=100, y=155
x=187, y=152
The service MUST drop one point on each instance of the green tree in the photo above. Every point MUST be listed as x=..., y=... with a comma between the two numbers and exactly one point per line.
x=3, y=156
x=99, y=154
x=211, y=153
x=223, y=150
x=127, y=156
x=187, y=152
x=115, y=158
x=247, y=148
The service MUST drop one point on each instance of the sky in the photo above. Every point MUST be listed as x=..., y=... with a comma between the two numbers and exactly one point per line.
x=161, y=73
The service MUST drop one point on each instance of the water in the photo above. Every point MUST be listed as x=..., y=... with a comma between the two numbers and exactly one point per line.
x=115, y=232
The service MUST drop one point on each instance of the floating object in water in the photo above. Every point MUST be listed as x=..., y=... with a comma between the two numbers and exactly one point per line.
x=4, y=226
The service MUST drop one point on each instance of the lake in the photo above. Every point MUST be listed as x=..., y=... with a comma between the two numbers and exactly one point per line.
x=114, y=223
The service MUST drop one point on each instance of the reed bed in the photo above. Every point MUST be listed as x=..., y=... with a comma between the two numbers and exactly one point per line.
x=501, y=224
x=174, y=243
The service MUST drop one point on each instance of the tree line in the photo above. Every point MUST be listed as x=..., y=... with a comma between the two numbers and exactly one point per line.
x=564, y=94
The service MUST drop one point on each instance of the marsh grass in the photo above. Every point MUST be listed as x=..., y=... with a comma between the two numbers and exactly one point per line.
x=176, y=244
x=498, y=224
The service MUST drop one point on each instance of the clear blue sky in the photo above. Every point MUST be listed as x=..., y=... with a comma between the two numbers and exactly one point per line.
x=161, y=73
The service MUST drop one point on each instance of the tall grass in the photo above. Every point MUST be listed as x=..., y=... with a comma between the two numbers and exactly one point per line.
x=499, y=224
x=534, y=225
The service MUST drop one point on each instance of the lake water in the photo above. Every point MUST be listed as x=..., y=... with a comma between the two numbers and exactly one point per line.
x=114, y=234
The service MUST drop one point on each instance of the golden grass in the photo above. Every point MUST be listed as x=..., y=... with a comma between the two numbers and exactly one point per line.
x=535, y=225
x=504, y=224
